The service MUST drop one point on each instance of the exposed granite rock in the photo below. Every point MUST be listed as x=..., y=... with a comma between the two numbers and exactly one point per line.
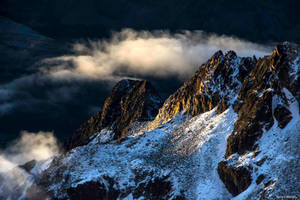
x=219, y=78
x=141, y=103
x=129, y=101
x=236, y=179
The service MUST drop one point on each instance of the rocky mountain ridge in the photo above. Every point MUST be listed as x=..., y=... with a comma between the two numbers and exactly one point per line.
x=129, y=102
x=216, y=82
x=230, y=132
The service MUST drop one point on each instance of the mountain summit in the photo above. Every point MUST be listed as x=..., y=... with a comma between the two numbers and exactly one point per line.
x=216, y=81
x=232, y=130
x=130, y=102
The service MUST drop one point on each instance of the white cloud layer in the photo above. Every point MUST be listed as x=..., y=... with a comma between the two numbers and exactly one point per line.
x=30, y=146
x=146, y=53
x=14, y=181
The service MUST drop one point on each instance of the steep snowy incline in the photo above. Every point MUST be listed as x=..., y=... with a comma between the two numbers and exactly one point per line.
x=180, y=158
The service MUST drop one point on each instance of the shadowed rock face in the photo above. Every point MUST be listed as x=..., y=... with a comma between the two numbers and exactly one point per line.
x=156, y=188
x=29, y=165
x=261, y=101
x=282, y=115
x=254, y=105
x=99, y=191
x=285, y=65
x=236, y=179
x=129, y=101
x=86, y=130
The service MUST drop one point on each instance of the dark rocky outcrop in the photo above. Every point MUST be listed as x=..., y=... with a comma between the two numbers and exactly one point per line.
x=260, y=178
x=254, y=115
x=92, y=190
x=86, y=130
x=282, y=115
x=236, y=179
x=285, y=65
x=266, y=81
x=158, y=188
x=222, y=105
x=262, y=98
x=129, y=101
x=28, y=166
x=36, y=192
x=146, y=185
x=219, y=78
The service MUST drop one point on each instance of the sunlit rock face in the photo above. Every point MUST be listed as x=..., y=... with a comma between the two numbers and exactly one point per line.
x=130, y=101
x=220, y=78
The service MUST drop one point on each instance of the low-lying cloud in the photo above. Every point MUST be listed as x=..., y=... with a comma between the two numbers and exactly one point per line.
x=146, y=53
x=30, y=146
x=14, y=180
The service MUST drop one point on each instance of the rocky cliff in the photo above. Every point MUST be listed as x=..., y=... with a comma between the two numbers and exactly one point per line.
x=232, y=130
x=216, y=82
x=264, y=102
x=130, y=101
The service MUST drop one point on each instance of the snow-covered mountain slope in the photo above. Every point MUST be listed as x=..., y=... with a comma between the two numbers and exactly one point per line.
x=231, y=132
x=157, y=164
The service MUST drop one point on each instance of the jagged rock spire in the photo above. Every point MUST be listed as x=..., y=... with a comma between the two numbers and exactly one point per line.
x=129, y=101
x=219, y=78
